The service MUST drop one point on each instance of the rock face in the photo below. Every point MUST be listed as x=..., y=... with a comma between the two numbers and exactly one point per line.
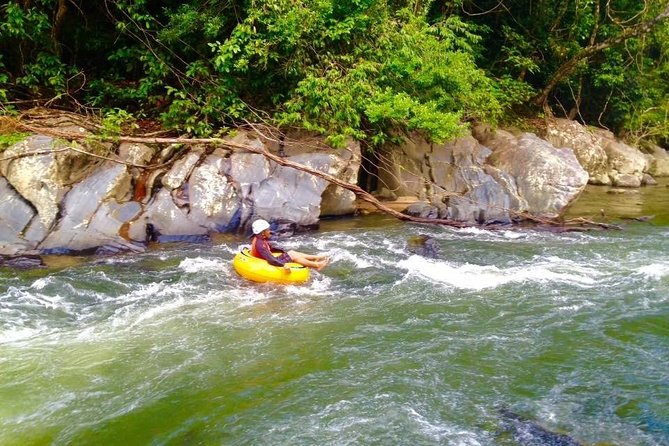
x=59, y=201
x=484, y=181
x=587, y=146
x=658, y=161
x=64, y=201
x=607, y=160
x=547, y=178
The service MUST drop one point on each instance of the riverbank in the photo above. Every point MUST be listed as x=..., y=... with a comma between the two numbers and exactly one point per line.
x=598, y=203
x=70, y=191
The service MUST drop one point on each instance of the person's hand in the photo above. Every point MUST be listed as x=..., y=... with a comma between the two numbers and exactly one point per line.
x=286, y=268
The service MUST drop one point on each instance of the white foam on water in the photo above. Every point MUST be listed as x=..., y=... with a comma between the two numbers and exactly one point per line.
x=135, y=303
x=575, y=308
x=440, y=431
x=478, y=277
x=15, y=334
x=199, y=264
x=317, y=286
x=347, y=256
x=474, y=230
x=152, y=312
x=654, y=270
x=41, y=283
x=514, y=235
x=340, y=241
x=232, y=248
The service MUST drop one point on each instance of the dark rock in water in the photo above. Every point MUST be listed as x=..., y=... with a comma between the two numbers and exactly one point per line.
x=530, y=433
x=56, y=251
x=204, y=238
x=21, y=262
x=422, y=209
x=423, y=245
x=114, y=249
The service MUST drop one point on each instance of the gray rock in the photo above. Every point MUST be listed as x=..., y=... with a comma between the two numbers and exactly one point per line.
x=214, y=201
x=293, y=195
x=586, y=144
x=547, y=178
x=170, y=219
x=648, y=180
x=21, y=262
x=626, y=164
x=423, y=245
x=182, y=169
x=453, y=176
x=658, y=161
x=36, y=178
x=93, y=212
x=422, y=209
x=335, y=199
x=527, y=432
x=470, y=182
x=134, y=153
x=15, y=216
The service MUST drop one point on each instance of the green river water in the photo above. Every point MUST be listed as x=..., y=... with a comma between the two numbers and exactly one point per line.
x=384, y=347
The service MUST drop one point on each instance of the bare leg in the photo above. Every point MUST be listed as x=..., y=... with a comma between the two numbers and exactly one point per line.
x=314, y=258
x=311, y=261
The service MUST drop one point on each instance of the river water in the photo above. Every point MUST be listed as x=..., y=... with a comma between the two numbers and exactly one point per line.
x=383, y=347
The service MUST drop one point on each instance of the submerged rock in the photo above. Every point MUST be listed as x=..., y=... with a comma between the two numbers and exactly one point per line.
x=423, y=245
x=530, y=433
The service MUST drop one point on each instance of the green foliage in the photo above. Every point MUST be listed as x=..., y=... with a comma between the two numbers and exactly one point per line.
x=4, y=80
x=615, y=86
x=117, y=121
x=9, y=139
x=364, y=69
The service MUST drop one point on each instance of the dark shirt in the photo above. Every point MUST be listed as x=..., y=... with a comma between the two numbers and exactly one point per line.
x=262, y=249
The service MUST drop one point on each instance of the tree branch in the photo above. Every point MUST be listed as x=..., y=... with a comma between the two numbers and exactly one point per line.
x=570, y=65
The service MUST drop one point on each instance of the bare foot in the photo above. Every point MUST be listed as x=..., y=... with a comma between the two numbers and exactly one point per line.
x=322, y=264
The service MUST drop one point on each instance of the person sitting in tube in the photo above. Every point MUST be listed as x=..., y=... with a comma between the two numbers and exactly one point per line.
x=261, y=248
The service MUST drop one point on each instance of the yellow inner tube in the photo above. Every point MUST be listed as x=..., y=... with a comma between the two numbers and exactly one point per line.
x=258, y=270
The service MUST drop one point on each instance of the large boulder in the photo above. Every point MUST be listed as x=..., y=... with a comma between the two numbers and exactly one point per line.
x=658, y=160
x=607, y=159
x=43, y=179
x=15, y=216
x=548, y=178
x=626, y=164
x=586, y=144
x=94, y=212
x=290, y=194
x=61, y=201
x=484, y=181
x=335, y=199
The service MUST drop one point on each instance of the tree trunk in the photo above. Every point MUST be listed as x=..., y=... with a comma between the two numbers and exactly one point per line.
x=58, y=19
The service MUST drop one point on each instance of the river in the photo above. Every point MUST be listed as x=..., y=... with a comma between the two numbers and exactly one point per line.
x=383, y=347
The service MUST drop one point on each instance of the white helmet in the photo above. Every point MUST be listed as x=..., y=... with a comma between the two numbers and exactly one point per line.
x=259, y=226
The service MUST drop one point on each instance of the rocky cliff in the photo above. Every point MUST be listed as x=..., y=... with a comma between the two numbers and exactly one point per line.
x=57, y=199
